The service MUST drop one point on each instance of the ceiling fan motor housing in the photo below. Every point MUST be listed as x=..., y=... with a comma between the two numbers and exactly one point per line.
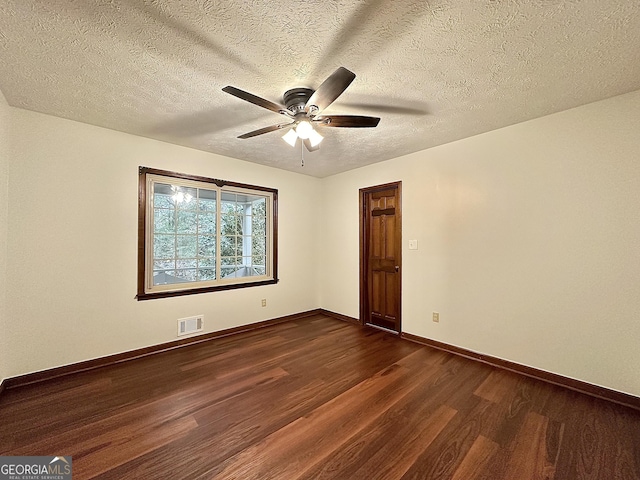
x=296, y=99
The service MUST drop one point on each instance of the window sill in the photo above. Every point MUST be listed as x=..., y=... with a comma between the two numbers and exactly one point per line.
x=193, y=291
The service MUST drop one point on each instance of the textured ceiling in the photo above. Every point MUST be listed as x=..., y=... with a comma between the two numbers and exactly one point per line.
x=434, y=71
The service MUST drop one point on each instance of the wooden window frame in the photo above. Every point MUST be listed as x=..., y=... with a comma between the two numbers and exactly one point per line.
x=144, y=198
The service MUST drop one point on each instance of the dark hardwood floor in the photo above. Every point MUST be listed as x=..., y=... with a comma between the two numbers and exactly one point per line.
x=318, y=398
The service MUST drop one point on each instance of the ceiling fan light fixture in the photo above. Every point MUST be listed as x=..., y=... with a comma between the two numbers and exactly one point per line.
x=315, y=138
x=304, y=129
x=290, y=137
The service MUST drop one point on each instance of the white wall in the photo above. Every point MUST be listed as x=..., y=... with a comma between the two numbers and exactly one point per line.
x=529, y=242
x=5, y=112
x=73, y=237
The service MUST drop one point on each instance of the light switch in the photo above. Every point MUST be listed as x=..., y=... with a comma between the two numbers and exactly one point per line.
x=413, y=244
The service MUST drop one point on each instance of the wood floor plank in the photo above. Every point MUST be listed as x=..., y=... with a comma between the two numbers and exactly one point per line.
x=476, y=460
x=412, y=440
x=318, y=398
x=445, y=455
x=529, y=457
x=592, y=431
x=510, y=413
x=497, y=386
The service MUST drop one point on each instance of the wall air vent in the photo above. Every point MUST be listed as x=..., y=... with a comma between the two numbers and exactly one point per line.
x=190, y=325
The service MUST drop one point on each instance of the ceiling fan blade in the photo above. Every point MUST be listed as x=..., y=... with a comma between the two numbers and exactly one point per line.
x=251, y=98
x=330, y=89
x=307, y=143
x=356, y=121
x=386, y=108
x=260, y=131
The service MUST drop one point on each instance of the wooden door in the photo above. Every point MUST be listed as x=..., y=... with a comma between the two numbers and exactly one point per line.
x=380, y=256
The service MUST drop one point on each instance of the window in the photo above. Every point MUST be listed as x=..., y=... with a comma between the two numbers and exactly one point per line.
x=199, y=234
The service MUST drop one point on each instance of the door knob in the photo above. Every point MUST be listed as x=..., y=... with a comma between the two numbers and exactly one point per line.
x=397, y=268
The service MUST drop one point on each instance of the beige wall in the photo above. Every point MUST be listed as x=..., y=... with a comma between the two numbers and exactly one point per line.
x=5, y=111
x=529, y=242
x=73, y=236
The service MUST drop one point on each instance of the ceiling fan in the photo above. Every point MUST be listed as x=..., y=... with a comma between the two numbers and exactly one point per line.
x=303, y=107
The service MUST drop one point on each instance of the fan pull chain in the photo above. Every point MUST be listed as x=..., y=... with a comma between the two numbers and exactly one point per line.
x=301, y=153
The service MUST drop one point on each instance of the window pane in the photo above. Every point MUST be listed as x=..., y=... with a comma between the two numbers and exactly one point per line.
x=161, y=265
x=163, y=221
x=184, y=198
x=207, y=274
x=206, y=245
x=174, y=196
x=246, y=245
x=191, y=263
x=242, y=272
x=164, y=246
x=186, y=276
x=258, y=226
x=246, y=262
x=235, y=268
x=231, y=266
x=258, y=246
x=228, y=203
x=228, y=244
x=186, y=246
x=238, y=246
x=227, y=267
x=239, y=224
x=162, y=196
x=187, y=222
x=229, y=224
x=207, y=262
x=259, y=207
x=207, y=222
x=206, y=204
x=165, y=277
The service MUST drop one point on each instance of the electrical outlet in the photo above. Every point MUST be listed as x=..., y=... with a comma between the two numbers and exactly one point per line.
x=264, y=302
x=436, y=317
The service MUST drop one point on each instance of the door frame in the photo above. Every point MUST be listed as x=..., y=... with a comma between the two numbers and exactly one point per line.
x=364, y=287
